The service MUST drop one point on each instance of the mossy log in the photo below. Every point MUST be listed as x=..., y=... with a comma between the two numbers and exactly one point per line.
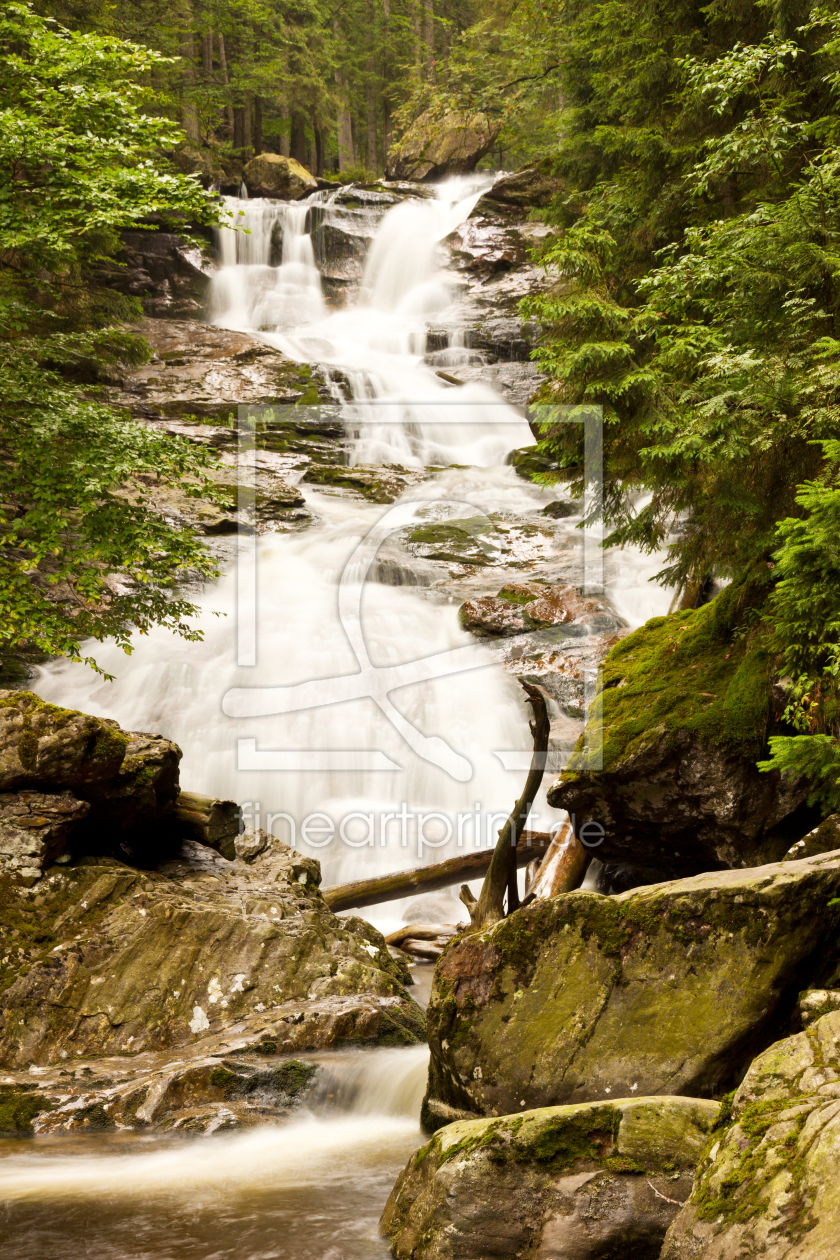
x=209, y=821
x=370, y=892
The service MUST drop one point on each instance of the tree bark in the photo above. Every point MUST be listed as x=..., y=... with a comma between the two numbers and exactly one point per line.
x=562, y=868
x=258, y=126
x=207, y=54
x=371, y=892
x=209, y=821
x=189, y=113
x=501, y=876
x=429, y=39
x=297, y=140
x=225, y=80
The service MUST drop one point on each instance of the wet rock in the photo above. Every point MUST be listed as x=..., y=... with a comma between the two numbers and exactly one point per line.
x=767, y=1185
x=586, y=1181
x=192, y=956
x=532, y=185
x=484, y=246
x=489, y=616
x=530, y=464
x=272, y=175
x=341, y=248
x=619, y=877
x=667, y=989
x=170, y=275
x=562, y=509
x=435, y=147
x=683, y=713
x=34, y=830
x=207, y=373
x=376, y=483
x=523, y=607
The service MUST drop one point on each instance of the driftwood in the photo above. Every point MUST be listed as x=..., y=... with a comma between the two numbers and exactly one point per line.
x=370, y=892
x=209, y=821
x=563, y=867
x=501, y=877
x=421, y=932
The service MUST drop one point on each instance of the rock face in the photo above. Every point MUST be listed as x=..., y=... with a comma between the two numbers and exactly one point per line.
x=69, y=780
x=768, y=1185
x=586, y=1182
x=201, y=955
x=682, y=715
x=170, y=276
x=532, y=185
x=272, y=175
x=433, y=148
x=670, y=989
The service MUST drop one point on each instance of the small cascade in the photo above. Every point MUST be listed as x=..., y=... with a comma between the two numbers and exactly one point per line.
x=267, y=278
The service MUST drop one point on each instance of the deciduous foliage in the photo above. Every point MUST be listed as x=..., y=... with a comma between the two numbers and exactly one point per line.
x=79, y=158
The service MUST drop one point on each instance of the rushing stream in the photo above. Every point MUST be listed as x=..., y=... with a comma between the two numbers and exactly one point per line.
x=436, y=745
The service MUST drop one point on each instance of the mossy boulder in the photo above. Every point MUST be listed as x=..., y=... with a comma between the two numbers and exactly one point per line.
x=435, y=147
x=69, y=781
x=767, y=1185
x=272, y=175
x=377, y=484
x=584, y=1181
x=668, y=763
x=108, y=960
x=669, y=989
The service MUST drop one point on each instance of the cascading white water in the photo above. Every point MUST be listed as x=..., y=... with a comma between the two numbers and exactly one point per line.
x=402, y=413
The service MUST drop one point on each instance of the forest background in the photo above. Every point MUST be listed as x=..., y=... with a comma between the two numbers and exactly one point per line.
x=695, y=255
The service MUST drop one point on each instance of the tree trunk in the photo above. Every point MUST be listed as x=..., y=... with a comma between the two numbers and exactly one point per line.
x=318, y=135
x=429, y=39
x=285, y=136
x=501, y=877
x=209, y=821
x=417, y=31
x=225, y=80
x=562, y=868
x=297, y=139
x=371, y=892
x=239, y=127
x=189, y=113
x=258, y=126
x=207, y=54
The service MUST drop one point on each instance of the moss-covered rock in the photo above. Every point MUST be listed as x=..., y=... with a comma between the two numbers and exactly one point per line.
x=669, y=989
x=586, y=1181
x=682, y=714
x=435, y=147
x=533, y=185
x=272, y=175
x=768, y=1185
x=113, y=961
x=378, y=484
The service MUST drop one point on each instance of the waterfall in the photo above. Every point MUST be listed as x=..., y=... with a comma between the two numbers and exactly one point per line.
x=356, y=763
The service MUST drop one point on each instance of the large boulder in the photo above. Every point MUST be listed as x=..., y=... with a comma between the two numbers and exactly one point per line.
x=670, y=989
x=72, y=782
x=272, y=175
x=435, y=147
x=683, y=712
x=200, y=955
x=584, y=1182
x=768, y=1183
x=533, y=185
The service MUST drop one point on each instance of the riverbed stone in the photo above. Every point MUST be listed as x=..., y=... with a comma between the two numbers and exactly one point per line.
x=533, y=185
x=767, y=1185
x=272, y=175
x=105, y=959
x=374, y=482
x=683, y=711
x=585, y=1181
x=435, y=147
x=667, y=989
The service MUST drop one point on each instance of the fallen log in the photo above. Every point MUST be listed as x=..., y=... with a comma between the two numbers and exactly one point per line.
x=457, y=870
x=210, y=821
x=421, y=932
x=563, y=868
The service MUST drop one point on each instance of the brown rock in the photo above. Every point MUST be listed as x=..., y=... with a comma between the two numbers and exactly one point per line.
x=435, y=147
x=34, y=829
x=272, y=175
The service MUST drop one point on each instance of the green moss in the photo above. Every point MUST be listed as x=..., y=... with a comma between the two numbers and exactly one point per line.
x=703, y=671
x=18, y=1109
x=293, y=1076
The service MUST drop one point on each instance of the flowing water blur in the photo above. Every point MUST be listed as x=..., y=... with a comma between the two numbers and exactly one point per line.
x=311, y=1190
